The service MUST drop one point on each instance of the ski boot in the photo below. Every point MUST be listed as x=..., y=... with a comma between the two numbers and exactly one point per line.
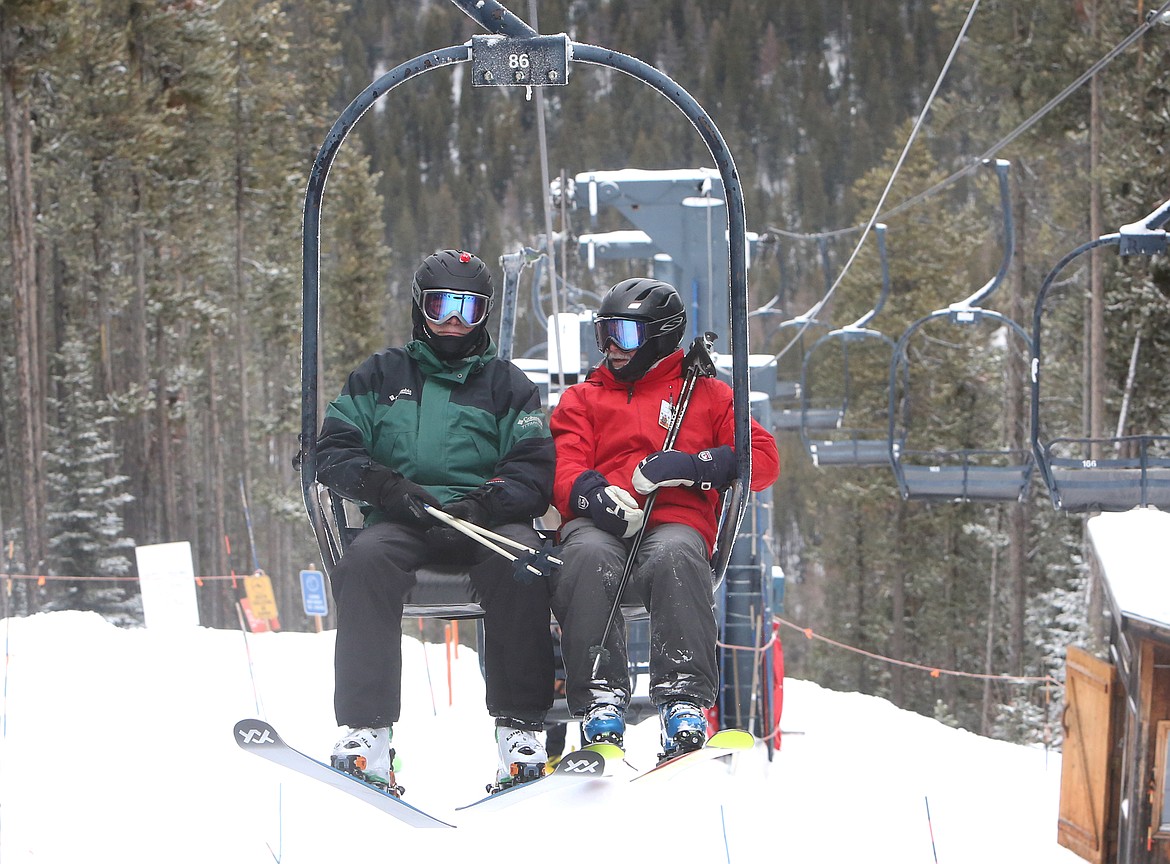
x=365, y=753
x=603, y=723
x=684, y=728
x=522, y=756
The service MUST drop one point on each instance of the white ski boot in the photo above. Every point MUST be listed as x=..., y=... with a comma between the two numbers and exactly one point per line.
x=365, y=753
x=522, y=755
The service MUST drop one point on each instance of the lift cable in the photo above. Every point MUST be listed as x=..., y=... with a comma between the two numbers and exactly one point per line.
x=1160, y=15
x=812, y=313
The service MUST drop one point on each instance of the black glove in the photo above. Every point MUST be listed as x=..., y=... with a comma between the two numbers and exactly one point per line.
x=402, y=501
x=469, y=510
x=449, y=545
x=712, y=468
x=611, y=508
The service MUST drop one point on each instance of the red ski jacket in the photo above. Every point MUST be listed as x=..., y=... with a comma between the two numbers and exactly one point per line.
x=607, y=425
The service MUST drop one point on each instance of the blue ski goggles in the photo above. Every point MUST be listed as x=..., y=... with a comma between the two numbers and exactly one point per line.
x=439, y=305
x=626, y=333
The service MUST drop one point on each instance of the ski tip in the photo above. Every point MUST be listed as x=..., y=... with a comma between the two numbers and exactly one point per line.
x=581, y=763
x=254, y=733
x=732, y=739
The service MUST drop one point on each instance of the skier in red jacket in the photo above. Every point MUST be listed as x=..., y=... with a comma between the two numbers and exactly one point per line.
x=609, y=432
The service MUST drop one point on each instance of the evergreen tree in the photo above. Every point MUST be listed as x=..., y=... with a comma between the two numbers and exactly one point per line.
x=85, y=523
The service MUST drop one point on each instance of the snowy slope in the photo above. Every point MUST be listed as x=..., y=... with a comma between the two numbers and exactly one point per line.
x=117, y=746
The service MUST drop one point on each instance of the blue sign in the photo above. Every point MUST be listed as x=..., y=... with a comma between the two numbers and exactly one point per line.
x=313, y=592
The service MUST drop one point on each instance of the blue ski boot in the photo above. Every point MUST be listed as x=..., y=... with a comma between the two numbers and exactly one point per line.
x=684, y=728
x=603, y=723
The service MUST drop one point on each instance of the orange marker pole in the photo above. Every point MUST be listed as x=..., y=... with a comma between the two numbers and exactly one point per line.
x=450, y=686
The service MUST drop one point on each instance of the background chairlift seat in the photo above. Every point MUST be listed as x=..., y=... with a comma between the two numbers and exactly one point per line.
x=855, y=448
x=963, y=474
x=1079, y=477
x=788, y=410
x=847, y=446
x=1081, y=485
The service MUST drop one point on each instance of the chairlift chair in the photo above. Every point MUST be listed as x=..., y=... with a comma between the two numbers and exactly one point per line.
x=965, y=473
x=1116, y=473
x=835, y=357
x=790, y=413
x=513, y=54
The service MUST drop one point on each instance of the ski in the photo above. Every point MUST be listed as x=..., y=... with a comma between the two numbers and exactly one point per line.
x=722, y=743
x=260, y=738
x=574, y=767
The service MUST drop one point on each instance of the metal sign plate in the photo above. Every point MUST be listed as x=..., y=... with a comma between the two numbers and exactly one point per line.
x=500, y=61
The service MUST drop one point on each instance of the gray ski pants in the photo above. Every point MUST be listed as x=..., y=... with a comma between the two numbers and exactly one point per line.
x=671, y=578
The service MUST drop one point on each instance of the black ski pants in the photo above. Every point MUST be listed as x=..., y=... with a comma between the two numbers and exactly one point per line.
x=671, y=578
x=369, y=586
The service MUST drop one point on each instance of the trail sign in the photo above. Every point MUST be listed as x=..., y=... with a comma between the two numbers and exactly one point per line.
x=258, y=587
x=313, y=593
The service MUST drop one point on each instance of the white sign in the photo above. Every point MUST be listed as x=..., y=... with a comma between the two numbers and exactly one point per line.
x=166, y=574
x=564, y=340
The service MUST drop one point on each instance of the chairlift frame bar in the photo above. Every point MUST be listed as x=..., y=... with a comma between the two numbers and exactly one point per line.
x=497, y=19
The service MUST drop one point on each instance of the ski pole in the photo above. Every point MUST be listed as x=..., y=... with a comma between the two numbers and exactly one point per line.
x=461, y=526
x=698, y=364
x=502, y=540
x=930, y=826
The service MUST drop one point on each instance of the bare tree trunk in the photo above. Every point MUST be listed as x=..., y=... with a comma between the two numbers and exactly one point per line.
x=898, y=637
x=136, y=455
x=216, y=489
x=164, y=456
x=190, y=524
x=985, y=715
x=244, y=412
x=859, y=569
x=26, y=296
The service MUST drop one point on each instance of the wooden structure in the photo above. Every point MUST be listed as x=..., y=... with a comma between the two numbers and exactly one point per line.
x=1115, y=778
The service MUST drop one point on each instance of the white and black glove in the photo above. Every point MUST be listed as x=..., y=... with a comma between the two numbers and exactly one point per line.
x=611, y=508
x=712, y=468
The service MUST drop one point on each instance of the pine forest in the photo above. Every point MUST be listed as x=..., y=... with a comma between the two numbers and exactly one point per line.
x=156, y=156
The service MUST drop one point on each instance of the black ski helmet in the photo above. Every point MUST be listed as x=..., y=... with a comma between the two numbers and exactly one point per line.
x=454, y=270
x=660, y=307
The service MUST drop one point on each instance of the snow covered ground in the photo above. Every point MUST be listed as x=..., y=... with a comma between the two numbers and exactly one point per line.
x=117, y=746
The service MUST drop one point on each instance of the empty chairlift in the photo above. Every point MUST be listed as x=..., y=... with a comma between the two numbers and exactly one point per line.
x=845, y=375
x=789, y=412
x=1104, y=473
x=951, y=419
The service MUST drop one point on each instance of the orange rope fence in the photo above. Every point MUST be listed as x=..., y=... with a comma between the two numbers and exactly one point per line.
x=934, y=671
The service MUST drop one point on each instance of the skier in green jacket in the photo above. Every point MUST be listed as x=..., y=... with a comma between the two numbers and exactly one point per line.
x=440, y=422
